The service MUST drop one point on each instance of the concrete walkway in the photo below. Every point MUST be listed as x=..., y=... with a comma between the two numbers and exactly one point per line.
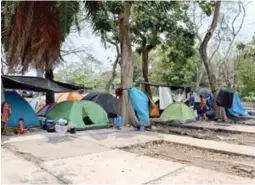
x=90, y=157
x=222, y=126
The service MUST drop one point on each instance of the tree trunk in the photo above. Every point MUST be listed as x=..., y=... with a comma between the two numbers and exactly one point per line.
x=219, y=111
x=49, y=95
x=110, y=82
x=145, y=69
x=117, y=60
x=127, y=112
x=39, y=73
x=200, y=74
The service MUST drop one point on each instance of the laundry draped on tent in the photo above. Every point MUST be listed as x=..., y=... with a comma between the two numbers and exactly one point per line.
x=165, y=97
x=225, y=99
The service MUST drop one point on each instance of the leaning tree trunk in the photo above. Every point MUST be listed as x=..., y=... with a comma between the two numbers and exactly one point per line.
x=117, y=60
x=219, y=111
x=127, y=112
x=109, y=83
x=200, y=74
x=145, y=70
x=49, y=95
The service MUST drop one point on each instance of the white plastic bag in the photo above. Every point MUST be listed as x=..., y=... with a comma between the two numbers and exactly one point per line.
x=61, y=126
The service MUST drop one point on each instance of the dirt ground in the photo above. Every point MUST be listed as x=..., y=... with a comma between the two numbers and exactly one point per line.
x=227, y=163
x=228, y=137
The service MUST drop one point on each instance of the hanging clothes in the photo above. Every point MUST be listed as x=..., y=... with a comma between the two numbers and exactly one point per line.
x=225, y=99
x=165, y=97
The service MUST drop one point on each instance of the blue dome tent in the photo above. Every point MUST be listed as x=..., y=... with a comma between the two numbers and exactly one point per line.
x=20, y=109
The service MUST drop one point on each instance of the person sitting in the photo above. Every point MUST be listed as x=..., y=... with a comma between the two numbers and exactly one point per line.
x=20, y=128
x=203, y=107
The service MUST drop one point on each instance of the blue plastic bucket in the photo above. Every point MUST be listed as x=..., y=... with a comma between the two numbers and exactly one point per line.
x=118, y=121
x=50, y=124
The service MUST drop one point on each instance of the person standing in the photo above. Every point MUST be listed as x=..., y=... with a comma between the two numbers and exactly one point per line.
x=6, y=113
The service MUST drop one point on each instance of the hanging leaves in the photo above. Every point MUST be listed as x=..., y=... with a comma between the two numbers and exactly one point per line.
x=36, y=31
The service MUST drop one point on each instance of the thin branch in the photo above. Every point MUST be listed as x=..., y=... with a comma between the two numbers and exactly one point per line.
x=235, y=32
x=218, y=46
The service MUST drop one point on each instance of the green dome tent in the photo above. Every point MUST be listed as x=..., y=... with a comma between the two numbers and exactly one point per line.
x=82, y=114
x=177, y=113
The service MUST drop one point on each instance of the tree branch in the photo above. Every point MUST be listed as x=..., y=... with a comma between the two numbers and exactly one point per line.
x=234, y=32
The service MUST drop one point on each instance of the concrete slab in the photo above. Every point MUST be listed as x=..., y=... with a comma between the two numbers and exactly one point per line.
x=16, y=171
x=222, y=126
x=57, y=147
x=121, y=138
x=42, y=134
x=110, y=167
x=195, y=175
x=212, y=145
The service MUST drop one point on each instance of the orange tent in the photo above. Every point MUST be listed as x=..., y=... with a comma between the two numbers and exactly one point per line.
x=70, y=96
x=154, y=110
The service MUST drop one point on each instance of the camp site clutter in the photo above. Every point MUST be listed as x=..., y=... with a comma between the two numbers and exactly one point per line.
x=73, y=110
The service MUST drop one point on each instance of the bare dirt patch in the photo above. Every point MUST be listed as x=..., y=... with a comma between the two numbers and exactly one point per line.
x=228, y=137
x=227, y=163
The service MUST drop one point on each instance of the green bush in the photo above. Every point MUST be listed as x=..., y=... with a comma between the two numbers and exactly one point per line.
x=250, y=97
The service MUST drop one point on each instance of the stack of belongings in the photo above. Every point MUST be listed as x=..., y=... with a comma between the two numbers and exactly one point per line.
x=232, y=103
x=225, y=99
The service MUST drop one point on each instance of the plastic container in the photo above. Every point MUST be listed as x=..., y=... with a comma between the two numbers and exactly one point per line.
x=50, y=125
x=61, y=127
x=118, y=121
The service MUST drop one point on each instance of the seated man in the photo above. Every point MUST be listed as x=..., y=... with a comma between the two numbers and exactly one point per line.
x=203, y=108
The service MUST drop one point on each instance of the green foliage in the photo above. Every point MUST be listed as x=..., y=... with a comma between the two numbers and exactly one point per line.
x=154, y=22
x=207, y=6
x=166, y=69
x=84, y=73
x=250, y=97
x=68, y=12
x=246, y=67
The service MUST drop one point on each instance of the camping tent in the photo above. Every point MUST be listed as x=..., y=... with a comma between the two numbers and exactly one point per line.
x=140, y=103
x=40, y=101
x=177, y=113
x=69, y=96
x=37, y=103
x=237, y=108
x=20, y=109
x=45, y=109
x=109, y=103
x=82, y=114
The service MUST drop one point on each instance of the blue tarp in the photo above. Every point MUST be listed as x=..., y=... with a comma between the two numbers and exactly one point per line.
x=20, y=109
x=237, y=108
x=140, y=103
